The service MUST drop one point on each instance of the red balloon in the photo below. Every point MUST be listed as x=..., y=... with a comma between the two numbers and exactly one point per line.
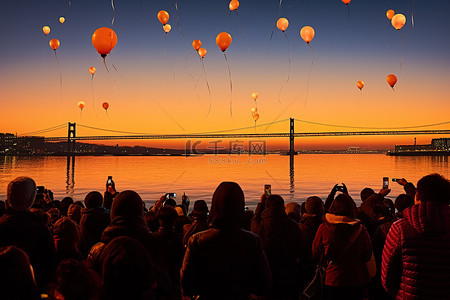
x=105, y=105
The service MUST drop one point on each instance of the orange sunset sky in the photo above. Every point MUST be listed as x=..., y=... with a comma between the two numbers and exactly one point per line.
x=156, y=83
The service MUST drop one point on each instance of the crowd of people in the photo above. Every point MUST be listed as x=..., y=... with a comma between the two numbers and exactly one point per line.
x=111, y=246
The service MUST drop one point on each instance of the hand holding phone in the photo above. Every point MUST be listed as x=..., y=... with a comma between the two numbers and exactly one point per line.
x=267, y=190
x=385, y=183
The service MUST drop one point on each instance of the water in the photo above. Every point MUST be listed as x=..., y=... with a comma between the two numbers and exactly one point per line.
x=153, y=176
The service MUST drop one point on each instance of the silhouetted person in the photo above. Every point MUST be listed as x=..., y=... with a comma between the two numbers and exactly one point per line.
x=16, y=275
x=127, y=270
x=94, y=219
x=21, y=228
x=416, y=262
x=66, y=235
x=293, y=211
x=225, y=262
x=64, y=206
x=74, y=213
x=345, y=245
x=281, y=240
x=199, y=223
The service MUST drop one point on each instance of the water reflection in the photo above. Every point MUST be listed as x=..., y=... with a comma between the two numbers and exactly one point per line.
x=291, y=178
x=70, y=175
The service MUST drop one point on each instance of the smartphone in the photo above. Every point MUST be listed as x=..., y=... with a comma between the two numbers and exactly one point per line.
x=109, y=181
x=385, y=183
x=395, y=179
x=171, y=195
x=40, y=189
x=340, y=188
x=267, y=189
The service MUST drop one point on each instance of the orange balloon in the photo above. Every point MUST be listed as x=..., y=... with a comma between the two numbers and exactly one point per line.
x=398, y=21
x=54, y=43
x=282, y=24
x=46, y=30
x=253, y=110
x=62, y=20
x=202, y=52
x=92, y=70
x=307, y=33
x=255, y=116
x=163, y=17
x=391, y=80
x=360, y=84
x=196, y=44
x=167, y=28
x=223, y=40
x=234, y=4
x=105, y=105
x=81, y=105
x=389, y=14
x=255, y=95
x=104, y=40
x=346, y=1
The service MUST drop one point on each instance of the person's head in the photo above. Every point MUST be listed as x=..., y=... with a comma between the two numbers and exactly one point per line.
x=167, y=216
x=127, y=269
x=314, y=205
x=127, y=205
x=16, y=275
x=64, y=205
x=227, y=207
x=343, y=205
x=181, y=210
x=66, y=233
x=74, y=213
x=402, y=202
x=170, y=202
x=200, y=209
x=275, y=201
x=293, y=210
x=21, y=193
x=366, y=193
x=2, y=207
x=93, y=199
x=54, y=214
x=433, y=187
x=74, y=280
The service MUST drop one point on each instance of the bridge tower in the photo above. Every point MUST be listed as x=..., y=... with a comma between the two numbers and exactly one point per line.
x=291, y=137
x=71, y=135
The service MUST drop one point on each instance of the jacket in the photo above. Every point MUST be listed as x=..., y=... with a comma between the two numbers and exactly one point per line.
x=416, y=255
x=346, y=265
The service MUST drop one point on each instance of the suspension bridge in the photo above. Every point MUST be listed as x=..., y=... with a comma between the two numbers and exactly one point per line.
x=243, y=132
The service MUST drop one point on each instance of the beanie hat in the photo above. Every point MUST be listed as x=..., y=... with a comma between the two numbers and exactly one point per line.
x=21, y=193
x=93, y=199
x=293, y=210
x=343, y=205
x=314, y=205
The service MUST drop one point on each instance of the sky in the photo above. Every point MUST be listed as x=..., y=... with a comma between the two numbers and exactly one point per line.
x=155, y=83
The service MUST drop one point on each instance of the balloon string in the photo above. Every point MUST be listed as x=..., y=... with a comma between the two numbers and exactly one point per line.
x=106, y=67
x=178, y=22
x=360, y=97
x=348, y=9
x=243, y=30
x=60, y=76
x=289, y=68
x=389, y=36
x=195, y=88
x=255, y=126
x=231, y=85
x=109, y=119
x=185, y=62
x=209, y=90
x=93, y=96
x=403, y=52
x=279, y=9
x=311, y=48
x=114, y=13
x=412, y=13
x=309, y=79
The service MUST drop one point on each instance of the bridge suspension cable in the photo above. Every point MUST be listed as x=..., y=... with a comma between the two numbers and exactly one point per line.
x=376, y=128
x=57, y=127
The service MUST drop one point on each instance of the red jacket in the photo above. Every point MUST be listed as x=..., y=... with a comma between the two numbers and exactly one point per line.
x=346, y=266
x=416, y=255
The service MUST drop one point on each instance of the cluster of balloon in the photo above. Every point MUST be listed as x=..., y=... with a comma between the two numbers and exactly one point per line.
x=104, y=40
x=234, y=5
x=46, y=30
x=163, y=17
x=223, y=41
x=254, y=110
x=391, y=80
x=282, y=25
x=62, y=20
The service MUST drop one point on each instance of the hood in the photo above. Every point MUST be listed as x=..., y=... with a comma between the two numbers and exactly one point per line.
x=430, y=218
x=227, y=208
x=335, y=219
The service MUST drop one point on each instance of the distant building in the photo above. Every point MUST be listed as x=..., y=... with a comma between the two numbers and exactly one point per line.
x=442, y=143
